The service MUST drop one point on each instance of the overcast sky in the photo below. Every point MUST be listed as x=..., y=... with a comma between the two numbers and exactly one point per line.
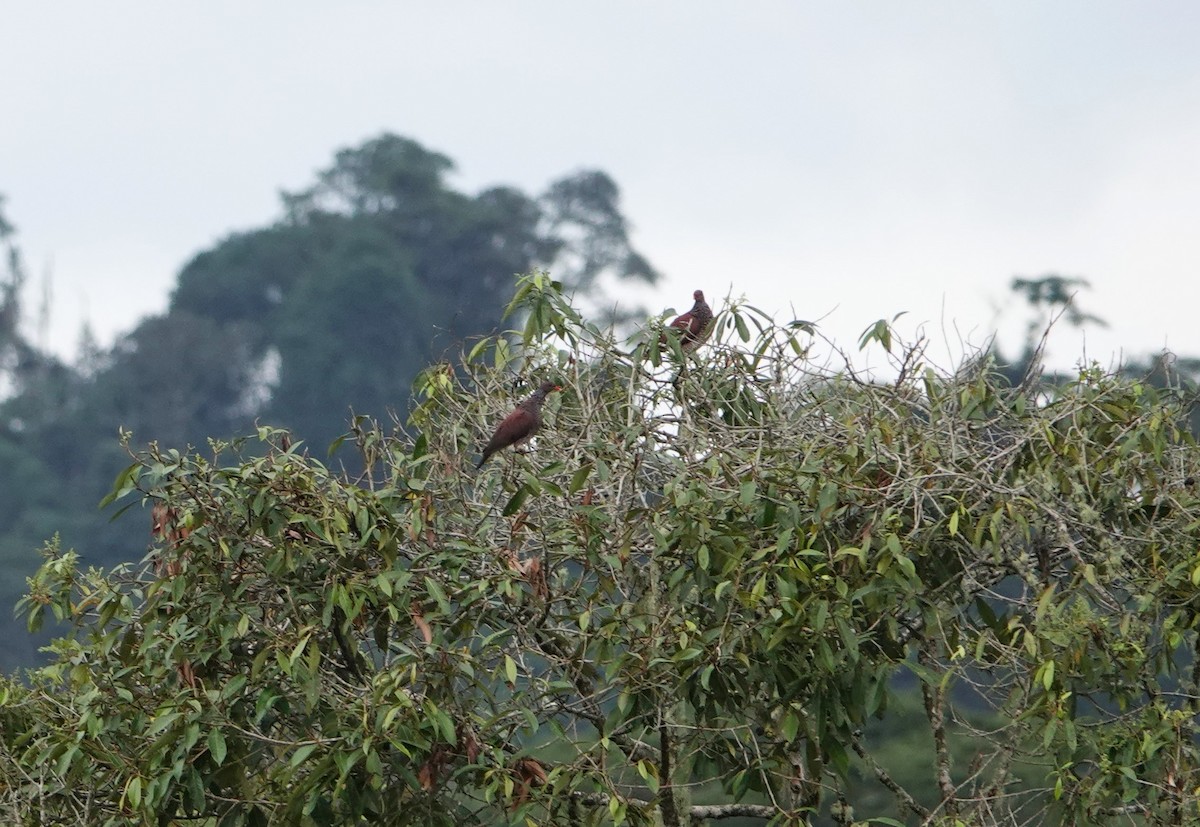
x=848, y=160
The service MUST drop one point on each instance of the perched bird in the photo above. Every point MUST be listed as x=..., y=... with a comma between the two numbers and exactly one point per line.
x=694, y=325
x=519, y=425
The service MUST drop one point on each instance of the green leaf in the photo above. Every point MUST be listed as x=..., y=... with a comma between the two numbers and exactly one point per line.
x=125, y=482
x=194, y=789
x=298, y=649
x=827, y=500
x=479, y=348
x=742, y=330
x=649, y=774
x=514, y=504
x=216, y=746
x=233, y=687
x=822, y=615
x=502, y=354
x=748, y=491
x=616, y=809
x=1048, y=675
x=579, y=478
x=789, y=726
x=161, y=722
x=519, y=298
x=63, y=765
x=510, y=670
x=384, y=584
x=266, y=700
x=133, y=792
x=434, y=589
x=445, y=724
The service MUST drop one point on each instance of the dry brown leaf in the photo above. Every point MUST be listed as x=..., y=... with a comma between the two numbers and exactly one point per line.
x=536, y=576
x=519, y=522
x=468, y=744
x=418, y=620
x=510, y=559
x=187, y=676
x=529, y=773
x=430, y=773
x=160, y=516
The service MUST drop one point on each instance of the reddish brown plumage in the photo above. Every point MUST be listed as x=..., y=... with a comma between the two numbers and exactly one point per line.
x=519, y=425
x=694, y=325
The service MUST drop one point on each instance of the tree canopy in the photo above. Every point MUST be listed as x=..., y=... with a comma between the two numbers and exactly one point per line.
x=709, y=590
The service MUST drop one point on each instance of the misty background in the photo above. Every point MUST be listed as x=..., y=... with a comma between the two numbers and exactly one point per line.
x=850, y=160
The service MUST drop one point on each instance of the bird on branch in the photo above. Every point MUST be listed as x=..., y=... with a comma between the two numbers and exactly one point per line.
x=694, y=326
x=520, y=425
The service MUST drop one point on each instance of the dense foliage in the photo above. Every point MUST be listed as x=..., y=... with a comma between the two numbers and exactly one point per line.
x=370, y=274
x=699, y=596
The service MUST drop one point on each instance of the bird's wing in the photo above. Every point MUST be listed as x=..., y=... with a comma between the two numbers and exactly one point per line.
x=516, y=426
x=683, y=321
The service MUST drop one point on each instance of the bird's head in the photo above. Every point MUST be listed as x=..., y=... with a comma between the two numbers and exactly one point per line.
x=549, y=387
x=698, y=295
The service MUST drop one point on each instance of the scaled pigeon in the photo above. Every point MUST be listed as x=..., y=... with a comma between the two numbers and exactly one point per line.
x=695, y=325
x=520, y=425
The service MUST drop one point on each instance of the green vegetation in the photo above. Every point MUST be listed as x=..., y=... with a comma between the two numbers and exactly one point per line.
x=371, y=274
x=731, y=585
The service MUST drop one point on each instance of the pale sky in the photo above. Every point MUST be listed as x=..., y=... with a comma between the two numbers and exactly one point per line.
x=849, y=160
